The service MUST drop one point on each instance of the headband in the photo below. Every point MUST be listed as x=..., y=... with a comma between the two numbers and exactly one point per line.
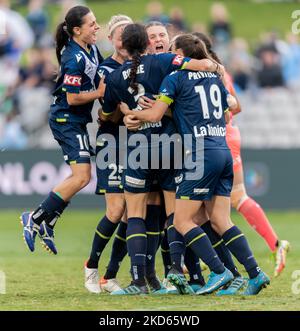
x=114, y=26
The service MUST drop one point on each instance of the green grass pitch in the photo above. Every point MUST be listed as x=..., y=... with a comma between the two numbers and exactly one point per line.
x=39, y=281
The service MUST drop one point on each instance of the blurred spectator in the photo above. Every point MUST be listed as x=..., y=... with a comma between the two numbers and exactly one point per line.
x=220, y=30
x=39, y=70
x=177, y=20
x=241, y=62
x=13, y=43
x=155, y=13
x=269, y=72
x=220, y=27
x=12, y=136
x=291, y=61
x=199, y=27
x=37, y=18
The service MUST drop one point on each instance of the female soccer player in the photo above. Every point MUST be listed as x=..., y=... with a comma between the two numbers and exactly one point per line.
x=74, y=96
x=199, y=104
x=142, y=75
x=250, y=209
x=109, y=180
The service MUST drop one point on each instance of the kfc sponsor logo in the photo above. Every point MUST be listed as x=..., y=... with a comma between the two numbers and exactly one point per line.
x=178, y=59
x=72, y=80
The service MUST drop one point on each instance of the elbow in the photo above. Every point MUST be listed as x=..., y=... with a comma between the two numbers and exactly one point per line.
x=72, y=101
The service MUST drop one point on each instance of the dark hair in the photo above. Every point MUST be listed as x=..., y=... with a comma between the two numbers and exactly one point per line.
x=64, y=31
x=135, y=41
x=208, y=43
x=191, y=46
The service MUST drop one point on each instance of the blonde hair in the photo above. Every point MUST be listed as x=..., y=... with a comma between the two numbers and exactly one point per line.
x=117, y=20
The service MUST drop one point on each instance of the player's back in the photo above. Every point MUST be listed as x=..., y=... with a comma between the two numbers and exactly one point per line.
x=199, y=105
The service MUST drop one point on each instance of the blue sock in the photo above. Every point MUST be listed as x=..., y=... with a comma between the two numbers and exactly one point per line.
x=119, y=251
x=237, y=243
x=104, y=231
x=50, y=209
x=219, y=246
x=153, y=237
x=136, y=238
x=177, y=245
x=198, y=241
x=165, y=253
x=192, y=263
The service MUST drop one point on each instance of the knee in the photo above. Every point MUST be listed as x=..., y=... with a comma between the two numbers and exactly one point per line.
x=83, y=180
x=178, y=224
x=115, y=211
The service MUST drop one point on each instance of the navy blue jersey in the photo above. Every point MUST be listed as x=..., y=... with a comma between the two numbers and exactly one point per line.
x=199, y=105
x=78, y=73
x=150, y=74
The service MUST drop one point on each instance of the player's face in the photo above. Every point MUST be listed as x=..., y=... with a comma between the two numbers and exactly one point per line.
x=89, y=29
x=158, y=39
x=116, y=40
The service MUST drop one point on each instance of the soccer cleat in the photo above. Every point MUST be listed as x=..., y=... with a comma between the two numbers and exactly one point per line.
x=91, y=280
x=255, y=285
x=171, y=289
x=237, y=284
x=281, y=253
x=46, y=234
x=215, y=281
x=132, y=289
x=178, y=279
x=30, y=229
x=155, y=286
x=109, y=285
x=195, y=286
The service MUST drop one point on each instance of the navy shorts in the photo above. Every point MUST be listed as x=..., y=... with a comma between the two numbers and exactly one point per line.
x=216, y=177
x=109, y=178
x=147, y=179
x=73, y=139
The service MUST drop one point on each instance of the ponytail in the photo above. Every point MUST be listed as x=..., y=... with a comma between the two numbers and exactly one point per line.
x=136, y=61
x=62, y=36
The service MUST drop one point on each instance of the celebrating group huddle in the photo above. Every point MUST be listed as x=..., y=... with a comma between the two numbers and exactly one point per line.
x=179, y=86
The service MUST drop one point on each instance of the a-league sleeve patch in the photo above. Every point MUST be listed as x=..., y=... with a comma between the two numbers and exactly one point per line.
x=178, y=59
x=72, y=80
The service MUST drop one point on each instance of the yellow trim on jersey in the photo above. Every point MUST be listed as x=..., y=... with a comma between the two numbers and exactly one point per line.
x=183, y=197
x=121, y=186
x=136, y=235
x=106, y=114
x=72, y=162
x=170, y=227
x=61, y=120
x=184, y=64
x=217, y=244
x=64, y=89
x=226, y=110
x=102, y=190
x=102, y=235
x=165, y=99
x=234, y=238
x=120, y=238
x=195, y=239
x=153, y=233
x=165, y=251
